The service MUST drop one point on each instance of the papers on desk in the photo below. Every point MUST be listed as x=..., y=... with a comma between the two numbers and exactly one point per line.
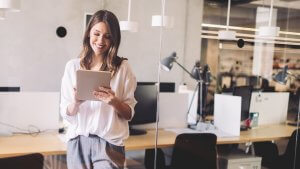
x=217, y=132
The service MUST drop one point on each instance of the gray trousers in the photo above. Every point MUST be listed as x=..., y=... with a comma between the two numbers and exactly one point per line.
x=94, y=152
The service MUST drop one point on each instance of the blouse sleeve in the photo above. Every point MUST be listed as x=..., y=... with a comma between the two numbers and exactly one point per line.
x=67, y=95
x=129, y=89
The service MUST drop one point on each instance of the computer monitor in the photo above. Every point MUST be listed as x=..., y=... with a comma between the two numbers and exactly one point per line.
x=245, y=92
x=163, y=87
x=145, y=109
x=9, y=89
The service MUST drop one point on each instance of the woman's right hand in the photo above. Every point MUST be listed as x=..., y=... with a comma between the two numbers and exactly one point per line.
x=74, y=107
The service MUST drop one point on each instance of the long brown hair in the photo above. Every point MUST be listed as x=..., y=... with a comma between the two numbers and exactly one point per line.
x=111, y=62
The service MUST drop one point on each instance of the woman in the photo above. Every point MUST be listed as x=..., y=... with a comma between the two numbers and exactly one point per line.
x=98, y=129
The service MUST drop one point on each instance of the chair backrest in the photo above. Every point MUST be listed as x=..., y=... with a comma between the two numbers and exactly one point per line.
x=289, y=153
x=30, y=161
x=195, y=150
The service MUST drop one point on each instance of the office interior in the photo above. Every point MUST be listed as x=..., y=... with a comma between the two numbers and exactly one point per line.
x=261, y=40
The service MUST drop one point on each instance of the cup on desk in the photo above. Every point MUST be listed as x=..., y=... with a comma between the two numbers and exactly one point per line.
x=254, y=119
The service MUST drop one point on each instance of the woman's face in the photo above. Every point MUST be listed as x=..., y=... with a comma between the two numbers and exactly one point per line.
x=100, y=39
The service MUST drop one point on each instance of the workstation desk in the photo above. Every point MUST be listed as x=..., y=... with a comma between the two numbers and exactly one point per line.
x=51, y=144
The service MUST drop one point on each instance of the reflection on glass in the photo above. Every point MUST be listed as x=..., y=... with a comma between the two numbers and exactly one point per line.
x=258, y=60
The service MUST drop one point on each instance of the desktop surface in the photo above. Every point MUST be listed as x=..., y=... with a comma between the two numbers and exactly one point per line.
x=51, y=144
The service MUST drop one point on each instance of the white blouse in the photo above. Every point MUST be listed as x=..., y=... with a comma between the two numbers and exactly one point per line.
x=96, y=117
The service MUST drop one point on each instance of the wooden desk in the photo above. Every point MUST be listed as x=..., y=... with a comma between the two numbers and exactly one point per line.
x=50, y=144
x=47, y=144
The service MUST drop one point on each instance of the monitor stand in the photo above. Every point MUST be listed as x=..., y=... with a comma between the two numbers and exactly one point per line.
x=134, y=132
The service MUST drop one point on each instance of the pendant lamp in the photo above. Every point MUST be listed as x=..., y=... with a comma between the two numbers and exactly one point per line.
x=129, y=25
x=10, y=5
x=269, y=31
x=162, y=20
x=227, y=34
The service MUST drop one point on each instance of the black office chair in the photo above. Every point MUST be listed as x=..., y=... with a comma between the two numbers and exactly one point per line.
x=195, y=151
x=286, y=160
x=30, y=161
x=269, y=153
x=191, y=151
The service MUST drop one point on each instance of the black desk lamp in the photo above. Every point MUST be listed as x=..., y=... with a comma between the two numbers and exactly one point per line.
x=167, y=63
x=282, y=77
x=203, y=77
x=196, y=73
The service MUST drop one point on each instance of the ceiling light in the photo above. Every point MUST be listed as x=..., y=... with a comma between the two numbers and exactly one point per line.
x=10, y=5
x=129, y=25
x=166, y=21
x=269, y=31
x=227, y=34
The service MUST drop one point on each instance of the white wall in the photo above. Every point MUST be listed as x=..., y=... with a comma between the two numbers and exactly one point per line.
x=33, y=57
x=193, y=37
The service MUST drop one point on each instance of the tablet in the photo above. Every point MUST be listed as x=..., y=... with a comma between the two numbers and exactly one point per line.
x=88, y=81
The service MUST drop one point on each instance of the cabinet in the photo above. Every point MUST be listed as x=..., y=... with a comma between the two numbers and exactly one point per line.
x=239, y=160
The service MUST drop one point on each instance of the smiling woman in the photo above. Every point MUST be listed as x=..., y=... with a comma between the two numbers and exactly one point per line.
x=99, y=127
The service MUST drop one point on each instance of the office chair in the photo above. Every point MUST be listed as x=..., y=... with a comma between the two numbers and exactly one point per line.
x=286, y=160
x=29, y=161
x=195, y=151
x=270, y=157
x=192, y=151
x=268, y=151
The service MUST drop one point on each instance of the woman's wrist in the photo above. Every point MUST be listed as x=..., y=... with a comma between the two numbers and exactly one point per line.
x=114, y=101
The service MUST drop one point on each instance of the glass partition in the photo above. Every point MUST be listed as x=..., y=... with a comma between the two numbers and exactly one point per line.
x=142, y=48
x=180, y=52
x=264, y=47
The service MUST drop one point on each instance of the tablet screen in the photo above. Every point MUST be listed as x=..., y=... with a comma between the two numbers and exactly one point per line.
x=88, y=81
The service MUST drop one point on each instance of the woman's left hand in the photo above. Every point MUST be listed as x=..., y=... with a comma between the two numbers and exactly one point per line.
x=104, y=94
x=108, y=96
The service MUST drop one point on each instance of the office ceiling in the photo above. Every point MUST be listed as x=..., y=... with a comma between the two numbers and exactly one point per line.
x=243, y=13
x=293, y=4
x=224, y=2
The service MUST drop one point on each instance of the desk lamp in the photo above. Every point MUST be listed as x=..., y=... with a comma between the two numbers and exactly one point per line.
x=282, y=77
x=203, y=78
x=196, y=73
x=167, y=63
